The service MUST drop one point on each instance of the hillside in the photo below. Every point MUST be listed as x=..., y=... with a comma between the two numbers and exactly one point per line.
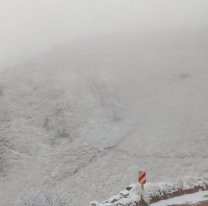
x=89, y=114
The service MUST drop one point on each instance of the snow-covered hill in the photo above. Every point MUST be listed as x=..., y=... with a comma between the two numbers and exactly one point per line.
x=88, y=115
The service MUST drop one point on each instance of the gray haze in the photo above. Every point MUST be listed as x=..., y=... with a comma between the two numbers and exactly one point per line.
x=103, y=88
x=29, y=27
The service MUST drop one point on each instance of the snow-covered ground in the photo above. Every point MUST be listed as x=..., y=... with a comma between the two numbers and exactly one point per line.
x=90, y=115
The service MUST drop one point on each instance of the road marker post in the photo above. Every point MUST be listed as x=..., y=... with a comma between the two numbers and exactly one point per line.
x=142, y=179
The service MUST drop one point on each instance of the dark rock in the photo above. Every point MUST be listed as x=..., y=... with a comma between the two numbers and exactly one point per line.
x=128, y=188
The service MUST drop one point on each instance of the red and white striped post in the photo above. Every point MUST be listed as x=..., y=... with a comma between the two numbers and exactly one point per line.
x=142, y=179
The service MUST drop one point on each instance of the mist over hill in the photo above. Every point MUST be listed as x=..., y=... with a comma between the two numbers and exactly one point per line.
x=90, y=113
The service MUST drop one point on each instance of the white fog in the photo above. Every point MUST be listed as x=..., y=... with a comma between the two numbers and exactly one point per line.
x=92, y=92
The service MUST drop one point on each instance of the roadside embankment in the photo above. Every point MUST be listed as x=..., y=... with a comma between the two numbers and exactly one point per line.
x=155, y=192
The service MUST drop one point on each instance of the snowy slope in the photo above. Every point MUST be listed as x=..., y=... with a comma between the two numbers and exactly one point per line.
x=90, y=114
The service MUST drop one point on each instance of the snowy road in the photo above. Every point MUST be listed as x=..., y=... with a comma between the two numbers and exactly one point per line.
x=203, y=203
x=199, y=199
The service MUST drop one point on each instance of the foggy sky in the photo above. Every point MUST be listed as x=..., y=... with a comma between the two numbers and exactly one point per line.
x=28, y=27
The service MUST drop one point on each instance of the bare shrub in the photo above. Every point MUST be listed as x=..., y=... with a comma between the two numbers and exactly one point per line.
x=45, y=196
